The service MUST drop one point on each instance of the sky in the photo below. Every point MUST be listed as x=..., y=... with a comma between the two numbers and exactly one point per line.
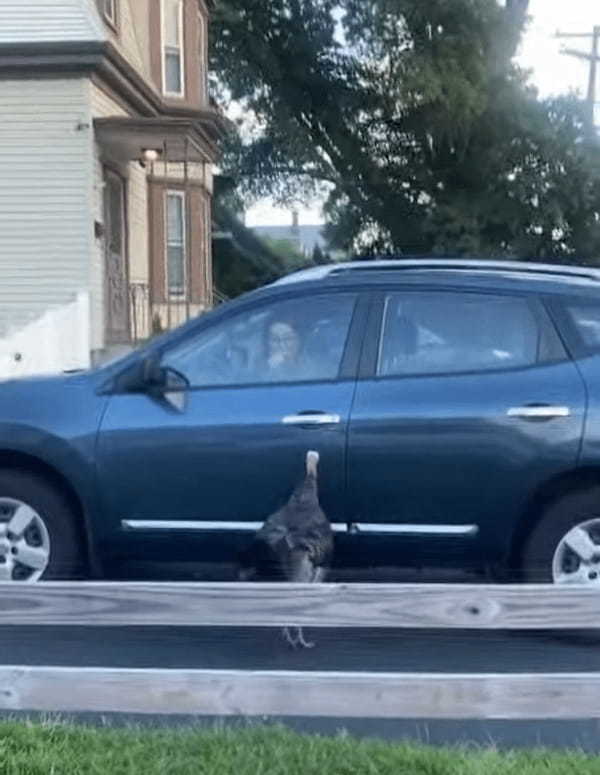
x=552, y=73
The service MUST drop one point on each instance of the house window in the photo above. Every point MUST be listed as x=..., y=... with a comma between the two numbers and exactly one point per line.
x=203, y=46
x=109, y=9
x=172, y=35
x=175, y=248
x=208, y=250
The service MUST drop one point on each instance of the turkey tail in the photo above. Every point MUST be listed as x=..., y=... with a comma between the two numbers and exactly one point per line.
x=312, y=461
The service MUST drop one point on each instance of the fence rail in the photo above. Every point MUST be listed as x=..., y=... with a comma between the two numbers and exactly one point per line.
x=285, y=693
x=460, y=606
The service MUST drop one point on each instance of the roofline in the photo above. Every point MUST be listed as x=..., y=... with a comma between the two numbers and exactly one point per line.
x=447, y=264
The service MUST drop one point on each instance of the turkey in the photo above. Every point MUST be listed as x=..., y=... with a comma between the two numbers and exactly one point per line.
x=294, y=544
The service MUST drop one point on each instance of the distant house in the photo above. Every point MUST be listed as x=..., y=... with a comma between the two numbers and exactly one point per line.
x=305, y=238
x=107, y=141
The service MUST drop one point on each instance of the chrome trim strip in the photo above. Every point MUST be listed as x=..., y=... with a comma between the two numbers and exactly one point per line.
x=198, y=525
x=337, y=527
x=408, y=529
x=182, y=524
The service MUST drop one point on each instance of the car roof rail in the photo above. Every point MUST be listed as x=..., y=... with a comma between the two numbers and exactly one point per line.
x=427, y=264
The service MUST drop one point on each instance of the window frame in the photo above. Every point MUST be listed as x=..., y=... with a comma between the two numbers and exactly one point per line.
x=207, y=250
x=374, y=337
x=112, y=20
x=203, y=57
x=349, y=363
x=163, y=50
x=181, y=195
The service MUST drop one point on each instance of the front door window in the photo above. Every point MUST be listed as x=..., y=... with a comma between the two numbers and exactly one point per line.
x=286, y=342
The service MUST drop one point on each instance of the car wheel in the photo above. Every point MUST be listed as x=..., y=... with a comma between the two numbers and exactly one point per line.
x=39, y=538
x=564, y=548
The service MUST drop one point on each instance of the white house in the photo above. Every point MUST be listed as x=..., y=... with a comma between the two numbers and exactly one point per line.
x=107, y=141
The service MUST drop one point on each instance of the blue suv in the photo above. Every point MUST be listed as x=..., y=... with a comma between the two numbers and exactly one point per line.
x=455, y=405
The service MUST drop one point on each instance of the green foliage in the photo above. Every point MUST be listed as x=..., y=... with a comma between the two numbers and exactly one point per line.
x=241, y=261
x=289, y=253
x=411, y=117
x=319, y=257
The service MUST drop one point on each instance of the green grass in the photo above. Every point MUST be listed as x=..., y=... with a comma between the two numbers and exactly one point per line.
x=57, y=749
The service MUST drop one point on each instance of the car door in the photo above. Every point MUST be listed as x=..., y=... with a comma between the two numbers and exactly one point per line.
x=264, y=385
x=467, y=403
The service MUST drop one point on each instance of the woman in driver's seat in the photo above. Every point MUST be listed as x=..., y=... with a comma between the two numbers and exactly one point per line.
x=286, y=360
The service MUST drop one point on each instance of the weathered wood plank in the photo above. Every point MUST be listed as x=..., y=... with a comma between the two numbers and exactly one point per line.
x=274, y=605
x=359, y=695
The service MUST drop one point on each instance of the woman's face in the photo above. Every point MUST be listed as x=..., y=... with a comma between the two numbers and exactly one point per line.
x=284, y=344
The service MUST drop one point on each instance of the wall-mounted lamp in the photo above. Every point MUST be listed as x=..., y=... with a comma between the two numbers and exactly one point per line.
x=150, y=155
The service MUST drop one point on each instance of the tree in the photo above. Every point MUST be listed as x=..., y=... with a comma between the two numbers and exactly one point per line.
x=288, y=252
x=241, y=260
x=319, y=257
x=412, y=117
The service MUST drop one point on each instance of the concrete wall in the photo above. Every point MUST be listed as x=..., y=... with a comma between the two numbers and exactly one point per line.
x=56, y=341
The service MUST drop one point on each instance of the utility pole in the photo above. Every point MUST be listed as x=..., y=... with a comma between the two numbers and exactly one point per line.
x=593, y=58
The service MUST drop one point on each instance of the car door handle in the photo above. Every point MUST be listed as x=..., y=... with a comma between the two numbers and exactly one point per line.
x=539, y=412
x=312, y=418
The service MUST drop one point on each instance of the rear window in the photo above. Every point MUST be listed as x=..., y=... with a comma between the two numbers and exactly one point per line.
x=587, y=321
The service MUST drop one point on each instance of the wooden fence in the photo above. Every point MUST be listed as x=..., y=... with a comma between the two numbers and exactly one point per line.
x=301, y=693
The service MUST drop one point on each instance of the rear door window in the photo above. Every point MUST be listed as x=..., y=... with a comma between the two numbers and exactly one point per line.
x=586, y=318
x=445, y=333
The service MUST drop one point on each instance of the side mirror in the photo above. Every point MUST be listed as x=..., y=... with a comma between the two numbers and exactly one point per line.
x=153, y=376
x=164, y=384
x=161, y=383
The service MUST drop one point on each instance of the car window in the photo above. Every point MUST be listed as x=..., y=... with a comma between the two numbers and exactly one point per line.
x=587, y=320
x=441, y=333
x=288, y=341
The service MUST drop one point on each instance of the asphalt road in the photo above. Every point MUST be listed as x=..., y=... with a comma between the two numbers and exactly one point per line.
x=364, y=650
x=255, y=648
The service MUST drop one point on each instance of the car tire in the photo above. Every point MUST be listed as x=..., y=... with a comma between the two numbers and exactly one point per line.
x=559, y=518
x=54, y=521
x=567, y=512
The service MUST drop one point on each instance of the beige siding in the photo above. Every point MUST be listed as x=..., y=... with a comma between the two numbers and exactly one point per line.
x=208, y=249
x=138, y=224
x=140, y=22
x=208, y=179
x=137, y=214
x=45, y=192
x=137, y=227
x=97, y=257
x=103, y=105
x=129, y=38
